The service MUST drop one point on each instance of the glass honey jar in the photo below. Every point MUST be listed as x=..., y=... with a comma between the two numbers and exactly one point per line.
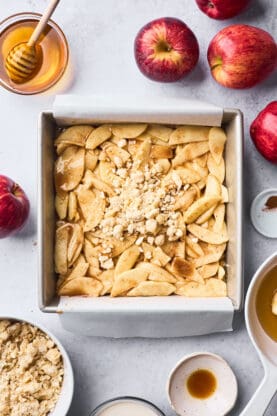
x=53, y=49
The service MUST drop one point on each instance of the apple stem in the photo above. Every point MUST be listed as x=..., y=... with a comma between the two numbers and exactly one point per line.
x=15, y=189
x=211, y=5
x=217, y=63
x=163, y=46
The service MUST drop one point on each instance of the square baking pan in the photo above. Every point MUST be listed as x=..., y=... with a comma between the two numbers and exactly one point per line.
x=144, y=317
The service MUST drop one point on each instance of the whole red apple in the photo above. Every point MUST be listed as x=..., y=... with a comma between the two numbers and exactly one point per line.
x=14, y=207
x=166, y=50
x=222, y=9
x=241, y=56
x=263, y=131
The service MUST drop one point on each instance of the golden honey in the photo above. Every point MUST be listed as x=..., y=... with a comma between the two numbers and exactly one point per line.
x=53, y=50
x=201, y=384
x=264, y=298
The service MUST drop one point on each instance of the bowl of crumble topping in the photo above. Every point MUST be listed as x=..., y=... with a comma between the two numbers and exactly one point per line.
x=36, y=376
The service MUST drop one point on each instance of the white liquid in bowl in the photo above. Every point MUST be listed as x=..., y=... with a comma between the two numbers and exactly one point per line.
x=127, y=409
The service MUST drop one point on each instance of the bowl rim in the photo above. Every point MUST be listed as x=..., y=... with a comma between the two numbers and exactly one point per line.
x=68, y=370
x=122, y=399
x=193, y=355
x=35, y=16
x=253, y=212
x=256, y=279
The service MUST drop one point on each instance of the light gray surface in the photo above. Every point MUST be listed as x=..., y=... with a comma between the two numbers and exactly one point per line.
x=101, y=37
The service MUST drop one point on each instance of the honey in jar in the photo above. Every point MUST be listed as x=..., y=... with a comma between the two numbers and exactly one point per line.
x=52, y=47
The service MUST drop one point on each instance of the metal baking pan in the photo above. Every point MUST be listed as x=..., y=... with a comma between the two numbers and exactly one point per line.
x=145, y=317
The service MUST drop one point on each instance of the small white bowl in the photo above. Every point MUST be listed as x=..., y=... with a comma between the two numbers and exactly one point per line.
x=263, y=220
x=219, y=403
x=65, y=398
x=144, y=406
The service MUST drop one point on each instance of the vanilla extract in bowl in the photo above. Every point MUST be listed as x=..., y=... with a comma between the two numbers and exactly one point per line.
x=201, y=384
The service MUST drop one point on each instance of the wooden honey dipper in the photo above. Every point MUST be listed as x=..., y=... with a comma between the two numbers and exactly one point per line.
x=22, y=60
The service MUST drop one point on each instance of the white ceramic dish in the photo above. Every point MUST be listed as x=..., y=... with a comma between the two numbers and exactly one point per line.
x=219, y=403
x=265, y=346
x=126, y=406
x=65, y=399
x=265, y=221
x=168, y=316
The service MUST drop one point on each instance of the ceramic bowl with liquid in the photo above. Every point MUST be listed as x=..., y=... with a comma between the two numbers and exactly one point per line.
x=126, y=406
x=53, y=46
x=202, y=384
x=261, y=325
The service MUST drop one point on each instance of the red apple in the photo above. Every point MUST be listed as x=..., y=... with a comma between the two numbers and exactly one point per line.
x=166, y=50
x=14, y=207
x=263, y=131
x=222, y=9
x=241, y=56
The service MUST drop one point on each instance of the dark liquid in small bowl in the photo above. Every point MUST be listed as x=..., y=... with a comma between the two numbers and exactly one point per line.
x=264, y=298
x=201, y=384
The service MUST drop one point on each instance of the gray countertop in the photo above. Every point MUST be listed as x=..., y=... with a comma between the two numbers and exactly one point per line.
x=100, y=35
